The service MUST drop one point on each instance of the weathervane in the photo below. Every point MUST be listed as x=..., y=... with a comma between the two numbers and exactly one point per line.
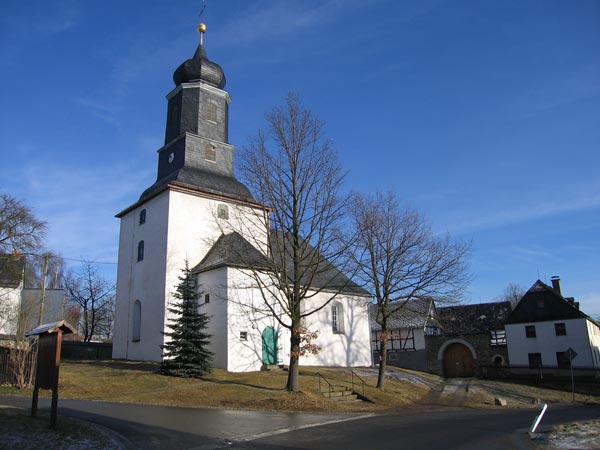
x=202, y=26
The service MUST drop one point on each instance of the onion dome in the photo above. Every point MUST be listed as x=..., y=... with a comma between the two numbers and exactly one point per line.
x=200, y=68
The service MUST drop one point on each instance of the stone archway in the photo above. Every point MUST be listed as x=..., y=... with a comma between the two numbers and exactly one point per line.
x=457, y=359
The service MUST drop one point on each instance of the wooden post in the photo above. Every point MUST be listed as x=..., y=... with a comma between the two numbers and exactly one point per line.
x=34, y=402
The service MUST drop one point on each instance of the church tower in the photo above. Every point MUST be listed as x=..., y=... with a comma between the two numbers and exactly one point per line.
x=183, y=213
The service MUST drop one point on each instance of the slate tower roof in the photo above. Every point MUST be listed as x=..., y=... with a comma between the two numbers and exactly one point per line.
x=196, y=154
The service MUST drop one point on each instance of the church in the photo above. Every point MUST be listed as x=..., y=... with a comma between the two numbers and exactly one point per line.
x=197, y=211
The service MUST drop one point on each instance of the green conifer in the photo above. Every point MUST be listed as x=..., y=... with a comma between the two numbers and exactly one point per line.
x=185, y=353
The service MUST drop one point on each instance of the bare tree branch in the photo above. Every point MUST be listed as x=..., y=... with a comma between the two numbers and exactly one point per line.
x=95, y=296
x=398, y=259
x=291, y=167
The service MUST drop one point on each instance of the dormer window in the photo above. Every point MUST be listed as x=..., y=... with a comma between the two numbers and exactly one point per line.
x=210, y=153
x=223, y=212
x=211, y=112
x=142, y=216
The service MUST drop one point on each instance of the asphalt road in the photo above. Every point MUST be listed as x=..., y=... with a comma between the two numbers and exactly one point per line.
x=175, y=428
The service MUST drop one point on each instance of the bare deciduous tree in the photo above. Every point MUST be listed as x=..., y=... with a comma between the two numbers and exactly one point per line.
x=512, y=293
x=292, y=168
x=399, y=259
x=20, y=231
x=95, y=296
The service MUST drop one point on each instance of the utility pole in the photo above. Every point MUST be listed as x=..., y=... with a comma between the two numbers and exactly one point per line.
x=44, y=275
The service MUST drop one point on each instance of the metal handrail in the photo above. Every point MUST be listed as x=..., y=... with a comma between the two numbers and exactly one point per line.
x=363, y=382
x=328, y=383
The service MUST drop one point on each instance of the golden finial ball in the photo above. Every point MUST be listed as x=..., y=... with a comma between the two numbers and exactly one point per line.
x=202, y=28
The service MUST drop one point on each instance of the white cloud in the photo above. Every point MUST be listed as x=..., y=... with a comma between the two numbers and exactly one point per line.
x=265, y=20
x=529, y=206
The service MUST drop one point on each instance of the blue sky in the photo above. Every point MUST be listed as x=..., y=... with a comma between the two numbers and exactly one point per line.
x=483, y=115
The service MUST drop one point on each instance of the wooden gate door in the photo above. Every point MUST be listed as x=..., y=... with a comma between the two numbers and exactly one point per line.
x=458, y=361
x=269, y=346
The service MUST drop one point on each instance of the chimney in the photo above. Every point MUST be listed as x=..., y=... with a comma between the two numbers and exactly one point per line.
x=556, y=284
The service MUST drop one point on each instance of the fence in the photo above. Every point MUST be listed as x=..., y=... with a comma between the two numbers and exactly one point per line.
x=587, y=379
x=86, y=350
x=17, y=367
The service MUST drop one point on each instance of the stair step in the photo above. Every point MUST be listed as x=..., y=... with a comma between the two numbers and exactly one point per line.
x=345, y=398
x=272, y=367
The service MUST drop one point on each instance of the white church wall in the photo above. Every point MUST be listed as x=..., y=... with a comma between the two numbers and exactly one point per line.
x=350, y=347
x=142, y=280
x=247, y=314
x=214, y=284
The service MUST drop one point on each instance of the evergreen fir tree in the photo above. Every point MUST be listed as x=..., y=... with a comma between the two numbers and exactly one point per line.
x=186, y=354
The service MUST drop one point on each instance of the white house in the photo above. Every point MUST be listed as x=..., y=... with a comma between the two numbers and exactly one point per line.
x=197, y=211
x=545, y=325
x=23, y=304
x=11, y=285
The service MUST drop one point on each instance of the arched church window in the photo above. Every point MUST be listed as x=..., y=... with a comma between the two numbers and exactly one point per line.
x=223, y=212
x=140, y=254
x=337, y=318
x=210, y=153
x=143, y=216
x=137, y=321
x=211, y=112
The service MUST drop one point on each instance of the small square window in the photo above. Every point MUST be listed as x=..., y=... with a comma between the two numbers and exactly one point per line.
x=530, y=331
x=560, y=329
x=223, y=212
x=206, y=298
x=540, y=304
x=210, y=153
x=243, y=335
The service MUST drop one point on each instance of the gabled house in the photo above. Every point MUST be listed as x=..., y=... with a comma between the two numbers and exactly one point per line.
x=545, y=326
x=472, y=338
x=409, y=325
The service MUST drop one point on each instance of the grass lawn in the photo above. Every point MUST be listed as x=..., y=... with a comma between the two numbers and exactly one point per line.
x=126, y=381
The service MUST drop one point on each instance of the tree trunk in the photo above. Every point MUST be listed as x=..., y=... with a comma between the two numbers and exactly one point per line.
x=293, y=383
x=383, y=360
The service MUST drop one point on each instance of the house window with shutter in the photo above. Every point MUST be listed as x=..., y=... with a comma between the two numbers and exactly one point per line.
x=210, y=153
x=530, y=331
x=535, y=360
